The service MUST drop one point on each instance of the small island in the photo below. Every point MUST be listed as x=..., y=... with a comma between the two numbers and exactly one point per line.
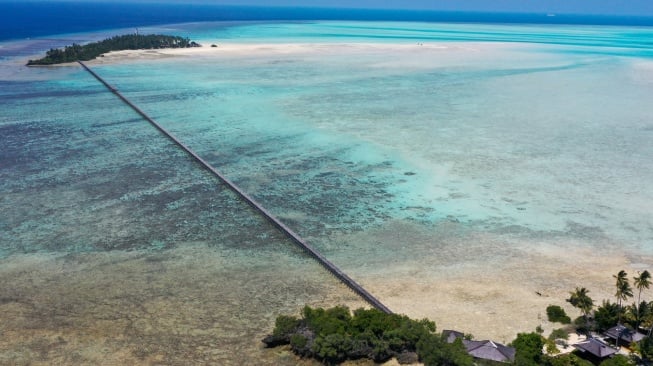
x=335, y=335
x=612, y=334
x=90, y=51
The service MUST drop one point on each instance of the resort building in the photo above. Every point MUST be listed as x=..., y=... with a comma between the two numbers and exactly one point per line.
x=623, y=336
x=595, y=349
x=486, y=349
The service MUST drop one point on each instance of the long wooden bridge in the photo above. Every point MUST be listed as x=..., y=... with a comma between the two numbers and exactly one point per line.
x=337, y=272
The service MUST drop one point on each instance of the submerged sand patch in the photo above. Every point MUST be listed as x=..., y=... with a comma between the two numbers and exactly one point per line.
x=492, y=286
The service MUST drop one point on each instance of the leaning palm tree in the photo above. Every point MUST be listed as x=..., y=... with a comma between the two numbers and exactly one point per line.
x=641, y=282
x=581, y=300
x=624, y=291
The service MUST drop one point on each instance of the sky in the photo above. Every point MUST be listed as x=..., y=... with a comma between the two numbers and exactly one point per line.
x=606, y=7
x=592, y=7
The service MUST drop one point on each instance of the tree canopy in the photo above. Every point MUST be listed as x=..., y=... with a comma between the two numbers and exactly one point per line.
x=624, y=291
x=334, y=335
x=529, y=349
x=642, y=281
x=557, y=314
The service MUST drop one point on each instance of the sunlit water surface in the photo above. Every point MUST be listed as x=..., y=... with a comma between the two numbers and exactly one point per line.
x=409, y=154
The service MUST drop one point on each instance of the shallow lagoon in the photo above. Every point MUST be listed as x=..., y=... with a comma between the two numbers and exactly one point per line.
x=453, y=179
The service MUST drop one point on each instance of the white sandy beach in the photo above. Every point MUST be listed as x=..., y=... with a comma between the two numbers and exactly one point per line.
x=223, y=50
x=499, y=304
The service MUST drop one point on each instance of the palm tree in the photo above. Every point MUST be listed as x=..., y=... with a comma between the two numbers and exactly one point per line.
x=641, y=282
x=624, y=291
x=581, y=300
x=647, y=316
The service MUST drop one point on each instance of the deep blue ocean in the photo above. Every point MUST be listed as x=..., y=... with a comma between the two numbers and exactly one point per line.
x=27, y=19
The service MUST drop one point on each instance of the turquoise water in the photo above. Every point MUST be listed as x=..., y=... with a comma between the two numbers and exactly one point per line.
x=537, y=137
x=408, y=153
x=118, y=248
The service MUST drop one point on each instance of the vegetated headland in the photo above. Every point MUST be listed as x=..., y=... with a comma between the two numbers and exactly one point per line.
x=90, y=51
x=611, y=334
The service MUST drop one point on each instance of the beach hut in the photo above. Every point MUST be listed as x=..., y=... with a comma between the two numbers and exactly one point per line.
x=595, y=349
x=623, y=336
x=486, y=350
x=489, y=350
x=451, y=335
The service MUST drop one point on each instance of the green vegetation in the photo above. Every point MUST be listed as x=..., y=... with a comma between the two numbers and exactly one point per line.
x=646, y=348
x=555, y=336
x=568, y=359
x=432, y=350
x=609, y=314
x=529, y=349
x=335, y=335
x=599, y=319
x=606, y=316
x=624, y=291
x=643, y=281
x=90, y=51
x=557, y=314
x=285, y=325
x=618, y=360
x=558, y=334
x=581, y=300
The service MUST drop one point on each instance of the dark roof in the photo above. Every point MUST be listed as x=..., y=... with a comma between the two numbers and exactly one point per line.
x=452, y=335
x=486, y=350
x=595, y=347
x=489, y=350
x=625, y=334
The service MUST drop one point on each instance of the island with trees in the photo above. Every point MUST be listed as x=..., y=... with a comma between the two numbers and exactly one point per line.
x=90, y=51
x=611, y=334
x=335, y=335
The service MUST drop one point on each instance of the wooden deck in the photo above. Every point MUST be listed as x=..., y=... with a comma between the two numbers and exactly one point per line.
x=337, y=272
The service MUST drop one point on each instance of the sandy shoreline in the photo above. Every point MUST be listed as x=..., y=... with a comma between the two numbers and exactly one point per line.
x=505, y=295
x=271, y=49
x=500, y=304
